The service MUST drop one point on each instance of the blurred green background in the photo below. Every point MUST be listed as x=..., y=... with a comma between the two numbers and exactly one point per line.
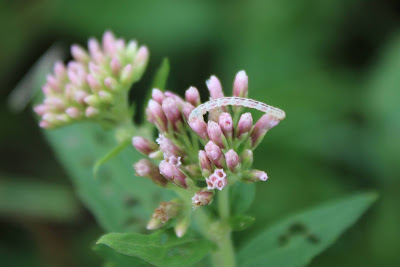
x=333, y=66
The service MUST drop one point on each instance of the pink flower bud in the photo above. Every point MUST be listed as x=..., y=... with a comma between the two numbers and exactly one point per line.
x=93, y=83
x=46, y=89
x=214, y=153
x=168, y=147
x=110, y=83
x=141, y=57
x=215, y=88
x=145, y=168
x=106, y=96
x=73, y=112
x=53, y=82
x=241, y=84
x=205, y=164
x=255, y=175
x=244, y=125
x=109, y=46
x=173, y=174
x=203, y=197
x=157, y=95
x=187, y=109
x=80, y=96
x=199, y=127
x=215, y=133
x=157, y=115
x=144, y=145
x=93, y=100
x=192, y=96
x=115, y=66
x=91, y=112
x=171, y=110
x=94, y=51
x=232, y=160
x=262, y=126
x=225, y=121
x=182, y=226
x=217, y=180
x=79, y=53
x=41, y=109
x=60, y=70
x=126, y=74
x=177, y=98
x=45, y=125
x=54, y=102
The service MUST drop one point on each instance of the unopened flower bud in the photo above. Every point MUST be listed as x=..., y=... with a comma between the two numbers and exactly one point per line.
x=59, y=69
x=182, y=226
x=214, y=153
x=171, y=110
x=73, y=112
x=141, y=57
x=225, y=121
x=110, y=83
x=106, y=97
x=93, y=83
x=203, y=197
x=126, y=74
x=177, y=98
x=217, y=180
x=192, y=96
x=187, y=109
x=91, y=112
x=145, y=168
x=109, y=43
x=199, y=127
x=265, y=123
x=205, y=164
x=246, y=159
x=173, y=174
x=215, y=133
x=215, y=88
x=244, y=125
x=255, y=176
x=232, y=160
x=144, y=145
x=93, y=100
x=41, y=109
x=157, y=95
x=157, y=114
x=79, y=54
x=168, y=147
x=241, y=84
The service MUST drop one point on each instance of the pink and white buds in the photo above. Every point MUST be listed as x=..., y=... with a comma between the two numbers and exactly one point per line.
x=144, y=145
x=255, y=176
x=217, y=180
x=187, y=109
x=157, y=95
x=215, y=133
x=171, y=110
x=241, y=84
x=79, y=54
x=214, y=153
x=232, y=160
x=173, y=174
x=192, y=96
x=145, y=168
x=157, y=115
x=215, y=88
x=244, y=125
x=262, y=126
x=203, y=197
x=205, y=164
x=226, y=123
x=199, y=127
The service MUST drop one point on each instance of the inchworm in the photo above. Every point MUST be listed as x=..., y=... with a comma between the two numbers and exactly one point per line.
x=201, y=110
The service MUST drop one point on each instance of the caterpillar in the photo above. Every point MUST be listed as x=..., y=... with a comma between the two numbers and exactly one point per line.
x=202, y=109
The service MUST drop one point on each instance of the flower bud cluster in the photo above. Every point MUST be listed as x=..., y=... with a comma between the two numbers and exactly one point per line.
x=200, y=156
x=94, y=84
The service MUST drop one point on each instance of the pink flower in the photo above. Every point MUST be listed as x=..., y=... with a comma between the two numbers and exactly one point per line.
x=215, y=133
x=202, y=198
x=144, y=145
x=262, y=126
x=244, y=125
x=199, y=127
x=232, y=160
x=214, y=153
x=215, y=88
x=217, y=180
x=241, y=84
x=192, y=96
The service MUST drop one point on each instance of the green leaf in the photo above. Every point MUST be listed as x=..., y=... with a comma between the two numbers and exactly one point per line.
x=35, y=199
x=162, y=248
x=241, y=222
x=114, y=152
x=161, y=76
x=242, y=196
x=296, y=240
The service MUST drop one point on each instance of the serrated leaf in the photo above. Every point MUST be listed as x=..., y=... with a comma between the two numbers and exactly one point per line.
x=242, y=196
x=241, y=222
x=114, y=152
x=296, y=240
x=162, y=248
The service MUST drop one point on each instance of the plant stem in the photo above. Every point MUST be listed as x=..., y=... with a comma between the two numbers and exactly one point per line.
x=225, y=256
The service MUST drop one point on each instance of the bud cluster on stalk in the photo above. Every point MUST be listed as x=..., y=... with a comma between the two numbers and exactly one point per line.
x=200, y=156
x=94, y=84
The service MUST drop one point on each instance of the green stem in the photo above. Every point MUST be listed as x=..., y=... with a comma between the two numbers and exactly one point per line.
x=225, y=256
